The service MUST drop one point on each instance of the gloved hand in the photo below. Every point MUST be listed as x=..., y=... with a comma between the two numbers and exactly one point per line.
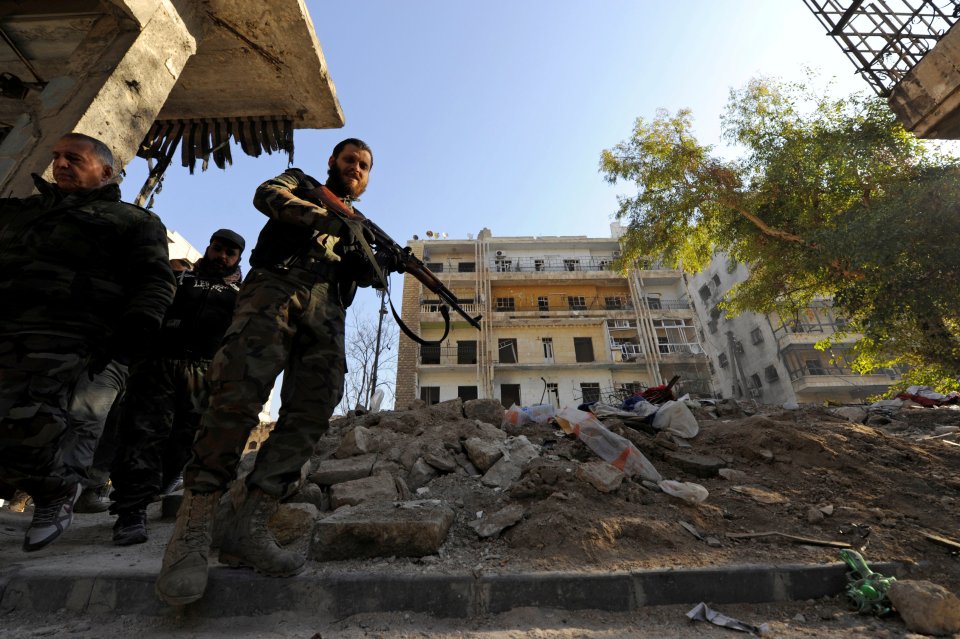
x=354, y=266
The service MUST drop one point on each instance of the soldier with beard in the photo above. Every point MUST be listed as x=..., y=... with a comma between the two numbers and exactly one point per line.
x=167, y=392
x=290, y=317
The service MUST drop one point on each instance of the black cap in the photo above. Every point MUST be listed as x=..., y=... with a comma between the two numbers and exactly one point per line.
x=229, y=236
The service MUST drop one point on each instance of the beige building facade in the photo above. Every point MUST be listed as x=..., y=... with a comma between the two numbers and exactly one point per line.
x=559, y=325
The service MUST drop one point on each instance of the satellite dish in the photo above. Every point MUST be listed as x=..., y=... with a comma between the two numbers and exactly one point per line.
x=429, y=233
x=443, y=235
x=416, y=237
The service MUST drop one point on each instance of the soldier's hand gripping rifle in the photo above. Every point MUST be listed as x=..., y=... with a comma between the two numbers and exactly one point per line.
x=390, y=257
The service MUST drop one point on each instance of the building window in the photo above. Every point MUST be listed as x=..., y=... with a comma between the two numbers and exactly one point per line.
x=510, y=394
x=538, y=265
x=704, y=292
x=715, y=279
x=547, y=348
x=577, y=302
x=755, y=381
x=467, y=392
x=467, y=352
x=653, y=303
x=815, y=367
x=756, y=336
x=723, y=360
x=713, y=369
x=715, y=313
x=738, y=347
x=571, y=265
x=543, y=303
x=503, y=265
x=583, y=348
x=770, y=372
x=430, y=354
x=590, y=392
x=553, y=391
x=505, y=304
x=430, y=394
x=507, y=349
x=615, y=303
x=712, y=326
x=466, y=267
x=436, y=267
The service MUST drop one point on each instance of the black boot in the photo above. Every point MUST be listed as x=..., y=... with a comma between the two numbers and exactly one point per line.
x=131, y=527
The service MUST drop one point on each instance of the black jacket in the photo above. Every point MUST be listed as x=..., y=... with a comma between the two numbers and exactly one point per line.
x=200, y=314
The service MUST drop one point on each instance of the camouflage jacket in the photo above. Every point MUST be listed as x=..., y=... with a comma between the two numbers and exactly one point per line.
x=293, y=223
x=200, y=314
x=81, y=265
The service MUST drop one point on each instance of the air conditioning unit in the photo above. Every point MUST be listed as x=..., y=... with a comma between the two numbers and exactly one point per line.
x=616, y=253
x=499, y=253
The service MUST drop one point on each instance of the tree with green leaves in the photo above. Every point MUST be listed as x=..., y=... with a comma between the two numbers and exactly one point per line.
x=822, y=197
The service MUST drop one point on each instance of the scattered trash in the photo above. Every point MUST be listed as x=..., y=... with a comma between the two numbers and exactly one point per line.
x=925, y=396
x=662, y=393
x=676, y=418
x=703, y=612
x=685, y=490
x=732, y=475
x=514, y=416
x=791, y=406
x=952, y=544
x=376, y=400
x=611, y=447
x=520, y=416
x=867, y=589
x=690, y=529
x=794, y=538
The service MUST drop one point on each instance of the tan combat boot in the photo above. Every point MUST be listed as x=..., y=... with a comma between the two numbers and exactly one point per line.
x=249, y=542
x=183, y=576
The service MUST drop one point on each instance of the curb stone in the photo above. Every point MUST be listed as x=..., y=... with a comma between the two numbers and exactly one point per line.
x=333, y=596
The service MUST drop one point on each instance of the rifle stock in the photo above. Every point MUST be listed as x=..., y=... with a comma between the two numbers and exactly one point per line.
x=401, y=258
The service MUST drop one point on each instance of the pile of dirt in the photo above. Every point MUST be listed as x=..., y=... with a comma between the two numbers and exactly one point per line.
x=809, y=473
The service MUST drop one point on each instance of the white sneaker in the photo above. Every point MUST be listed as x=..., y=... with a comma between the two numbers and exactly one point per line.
x=50, y=519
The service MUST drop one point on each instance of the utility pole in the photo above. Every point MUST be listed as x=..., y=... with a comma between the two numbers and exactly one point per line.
x=376, y=351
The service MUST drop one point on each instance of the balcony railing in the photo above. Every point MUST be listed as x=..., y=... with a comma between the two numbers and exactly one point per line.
x=822, y=369
x=434, y=307
x=685, y=349
x=447, y=355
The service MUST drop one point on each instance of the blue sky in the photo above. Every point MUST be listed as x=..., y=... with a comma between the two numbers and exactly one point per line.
x=493, y=114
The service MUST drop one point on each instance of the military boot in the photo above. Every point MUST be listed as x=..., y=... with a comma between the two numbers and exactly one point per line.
x=183, y=576
x=249, y=541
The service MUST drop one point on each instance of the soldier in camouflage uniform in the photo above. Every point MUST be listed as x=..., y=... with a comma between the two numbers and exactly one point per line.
x=84, y=279
x=290, y=317
x=167, y=392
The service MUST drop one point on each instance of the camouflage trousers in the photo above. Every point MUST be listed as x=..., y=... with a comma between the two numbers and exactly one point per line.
x=37, y=374
x=159, y=417
x=284, y=321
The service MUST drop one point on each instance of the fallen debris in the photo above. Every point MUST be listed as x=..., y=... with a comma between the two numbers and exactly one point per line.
x=703, y=612
x=794, y=538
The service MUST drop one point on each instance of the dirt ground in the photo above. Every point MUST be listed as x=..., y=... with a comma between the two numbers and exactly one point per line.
x=884, y=485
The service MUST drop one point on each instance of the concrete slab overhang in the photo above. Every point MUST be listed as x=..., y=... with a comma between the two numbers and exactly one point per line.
x=254, y=59
x=927, y=99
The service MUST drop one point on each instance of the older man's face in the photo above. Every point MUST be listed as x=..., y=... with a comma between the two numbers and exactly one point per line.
x=76, y=168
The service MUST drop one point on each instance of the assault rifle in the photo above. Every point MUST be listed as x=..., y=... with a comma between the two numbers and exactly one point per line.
x=391, y=257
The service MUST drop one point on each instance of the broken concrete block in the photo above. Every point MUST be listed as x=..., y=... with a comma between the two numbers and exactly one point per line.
x=310, y=493
x=405, y=529
x=489, y=411
x=402, y=423
x=373, y=488
x=442, y=460
x=451, y=409
x=601, y=475
x=293, y=521
x=814, y=515
x=732, y=475
x=495, y=523
x=703, y=466
x=482, y=453
x=926, y=607
x=336, y=471
x=664, y=439
x=420, y=474
x=517, y=451
x=489, y=431
x=358, y=441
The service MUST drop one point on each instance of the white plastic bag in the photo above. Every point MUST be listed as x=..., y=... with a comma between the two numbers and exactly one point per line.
x=685, y=490
x=541, y=413
x=515, y=416
x=376, y=400
x=609, y=446
x=676, y=418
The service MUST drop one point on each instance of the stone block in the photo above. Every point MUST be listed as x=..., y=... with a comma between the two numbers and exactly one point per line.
x=310, y=493
x=482, y=453
x=851, y=413
x=420, y=474
x=601, y=475
x=493, y=524
x=517, y=452
x=405, y=529
x=703, y=466
x=293, y=521
x=442, y=460
x=489, y=411
x=336, y=471
x=358, y=441
x=373, y=488
x=926, y=607
x=451, y=409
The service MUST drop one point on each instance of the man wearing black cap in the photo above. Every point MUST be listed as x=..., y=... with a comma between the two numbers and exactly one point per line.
x=167, y=392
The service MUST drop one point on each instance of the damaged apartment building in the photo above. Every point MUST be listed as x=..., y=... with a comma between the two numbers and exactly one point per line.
x=774, y=359
x=560, y=325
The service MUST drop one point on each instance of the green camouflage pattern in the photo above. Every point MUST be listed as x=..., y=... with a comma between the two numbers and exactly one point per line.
x=81, y=265
x=289, y=321
x=37, y=375
x=159, y=417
